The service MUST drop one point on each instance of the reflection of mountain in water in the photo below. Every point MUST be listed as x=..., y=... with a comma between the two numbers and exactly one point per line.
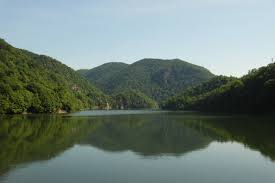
x=178, y=133
x=255, y=132
x=26, y=139
x=146, y=135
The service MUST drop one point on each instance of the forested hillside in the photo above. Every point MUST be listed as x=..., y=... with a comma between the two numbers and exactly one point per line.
x=158, y=79
x=34, y=83
x=182, y=100
x=133, y=99
x=31, y=83
x=99, y=75
x=254, y=92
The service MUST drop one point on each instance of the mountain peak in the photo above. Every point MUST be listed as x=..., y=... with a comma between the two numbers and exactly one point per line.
x=157, y=78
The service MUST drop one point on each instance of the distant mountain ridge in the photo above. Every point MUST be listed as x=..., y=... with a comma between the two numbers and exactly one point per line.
x=156, y=78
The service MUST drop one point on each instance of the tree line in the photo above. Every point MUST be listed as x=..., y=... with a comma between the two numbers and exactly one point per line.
x=254, y=92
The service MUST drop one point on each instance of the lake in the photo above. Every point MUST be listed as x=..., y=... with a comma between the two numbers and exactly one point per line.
x=137, y=147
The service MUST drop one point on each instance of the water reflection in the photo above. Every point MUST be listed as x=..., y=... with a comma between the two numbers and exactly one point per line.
x=147, y=135
x=26, y=139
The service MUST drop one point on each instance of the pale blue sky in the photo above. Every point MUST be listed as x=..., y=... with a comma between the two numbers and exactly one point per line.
x=227, y=36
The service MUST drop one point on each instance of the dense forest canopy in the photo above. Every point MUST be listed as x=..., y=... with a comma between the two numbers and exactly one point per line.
x=99, y=75
x=133, y=99
x=254, y=92
x=180, y=101
x=40, y=84
x=155, y=78
x=31, y=83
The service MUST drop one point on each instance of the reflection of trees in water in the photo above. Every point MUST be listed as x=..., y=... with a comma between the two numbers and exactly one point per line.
x=33, y=138
x=146, y=135
x=255, y=132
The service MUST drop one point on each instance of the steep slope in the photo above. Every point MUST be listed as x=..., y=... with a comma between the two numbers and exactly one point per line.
x=252, y=93
x=82, y=71
x=156, y=78
x=39, y=84
x=133, y=99
x=99, y=75
x=180, y=101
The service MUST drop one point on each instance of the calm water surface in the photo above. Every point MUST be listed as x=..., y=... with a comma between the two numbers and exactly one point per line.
x=137, y=147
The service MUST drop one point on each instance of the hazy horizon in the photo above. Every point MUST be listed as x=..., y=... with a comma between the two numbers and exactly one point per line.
x=226, y=37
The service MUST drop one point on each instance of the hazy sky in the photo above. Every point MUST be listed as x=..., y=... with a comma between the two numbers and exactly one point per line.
x=227, y=36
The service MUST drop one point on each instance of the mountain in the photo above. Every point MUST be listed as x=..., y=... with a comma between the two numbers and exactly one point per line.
x=82, y=71
x=252, y=93
x=182, y=100
x=133, y=99
x=156, y=78
x=31, y=83
x=99, y=75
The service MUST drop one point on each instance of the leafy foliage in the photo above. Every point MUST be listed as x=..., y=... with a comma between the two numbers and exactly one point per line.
x=83, y=72
x=133, y=99
x=155, y=78
x=180, y=101
x=39, y=84
x=254, y=92
x=99, y=75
